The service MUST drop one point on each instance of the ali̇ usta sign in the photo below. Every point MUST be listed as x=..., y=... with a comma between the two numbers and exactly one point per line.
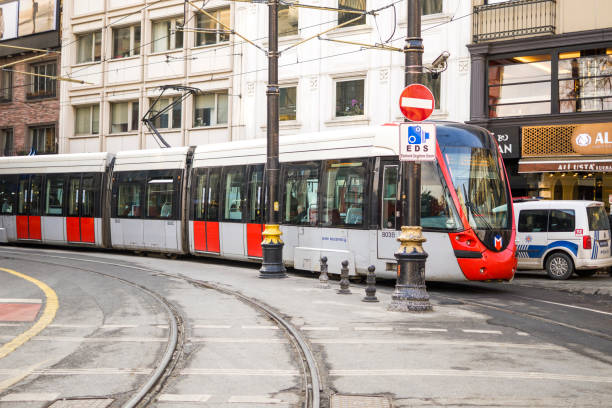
x=592, y=138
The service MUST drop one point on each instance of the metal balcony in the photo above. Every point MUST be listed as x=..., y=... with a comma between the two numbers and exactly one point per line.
x=514, y=19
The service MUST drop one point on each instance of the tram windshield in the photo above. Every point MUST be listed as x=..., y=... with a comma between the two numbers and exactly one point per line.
x=472, y=161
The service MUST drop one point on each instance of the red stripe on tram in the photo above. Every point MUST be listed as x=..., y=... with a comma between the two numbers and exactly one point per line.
x=73, y=232
x=199, y=235
x=254, y=239
x=88, y=230
x=22, y=227
x=34, y=224
x=212, y=237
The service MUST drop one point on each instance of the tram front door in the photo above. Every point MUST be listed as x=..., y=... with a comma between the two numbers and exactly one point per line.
x=28, y=209
x=80, y=223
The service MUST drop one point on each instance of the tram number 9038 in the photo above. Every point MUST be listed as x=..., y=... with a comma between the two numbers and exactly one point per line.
x=388, y=234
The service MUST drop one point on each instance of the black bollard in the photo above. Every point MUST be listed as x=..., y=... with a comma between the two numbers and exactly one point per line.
x=371, y=287
x=323, y=278
x=344, y=279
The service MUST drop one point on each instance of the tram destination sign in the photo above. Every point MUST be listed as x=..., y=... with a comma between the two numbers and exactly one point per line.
x=417, y=142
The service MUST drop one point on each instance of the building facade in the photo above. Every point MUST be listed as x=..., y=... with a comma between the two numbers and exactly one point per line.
x=29, y=92
x=541, y=81
x=124, y=50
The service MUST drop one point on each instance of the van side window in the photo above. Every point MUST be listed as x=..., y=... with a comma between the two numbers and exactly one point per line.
x=533, y=221
x=561, y=221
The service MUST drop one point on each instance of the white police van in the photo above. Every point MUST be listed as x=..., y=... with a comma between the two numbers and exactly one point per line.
x=562, y=236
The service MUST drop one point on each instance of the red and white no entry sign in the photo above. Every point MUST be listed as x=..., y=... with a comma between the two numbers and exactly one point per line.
x=416, y=102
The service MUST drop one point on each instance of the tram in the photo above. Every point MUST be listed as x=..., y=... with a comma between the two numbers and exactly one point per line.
x=339, y=199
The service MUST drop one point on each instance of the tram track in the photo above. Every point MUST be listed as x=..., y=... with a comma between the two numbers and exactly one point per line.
x=155, y=385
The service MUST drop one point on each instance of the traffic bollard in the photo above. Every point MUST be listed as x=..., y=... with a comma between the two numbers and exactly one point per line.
x=344, y=279
x=371, y=286
x=323, y=277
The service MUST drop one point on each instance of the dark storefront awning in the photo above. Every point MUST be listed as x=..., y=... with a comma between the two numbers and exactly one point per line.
x=566, y=164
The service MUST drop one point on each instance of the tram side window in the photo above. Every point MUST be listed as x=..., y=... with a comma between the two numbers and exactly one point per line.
x=8, y=195
x=160, y=192
x=389, y=197
x=35, y=193
x=128, y=201
x=214, y=193
x=301, y=192
x=234, y=194
x=344, y=199
x=24, y=191
x=54, y=195
x=437, y=209
x=256, y=198
x=88, y=197
x=533, y=221
x=200, y=196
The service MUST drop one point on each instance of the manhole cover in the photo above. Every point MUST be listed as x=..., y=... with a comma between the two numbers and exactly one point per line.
x=82, y=403
x=359, y=401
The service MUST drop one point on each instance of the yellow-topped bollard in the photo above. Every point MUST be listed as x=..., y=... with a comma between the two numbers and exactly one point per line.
x=272, y=247
x=271, y=234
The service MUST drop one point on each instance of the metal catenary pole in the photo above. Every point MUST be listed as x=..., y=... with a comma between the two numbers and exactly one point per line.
x=410, y=291
x=272, y=245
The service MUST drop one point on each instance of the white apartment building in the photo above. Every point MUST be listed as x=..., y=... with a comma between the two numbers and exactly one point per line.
x=125, y=50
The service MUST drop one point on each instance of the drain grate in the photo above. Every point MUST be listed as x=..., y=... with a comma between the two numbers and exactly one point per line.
x=82, y=403
x=359, y=401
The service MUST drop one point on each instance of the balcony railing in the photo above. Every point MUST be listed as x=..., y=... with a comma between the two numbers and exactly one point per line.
x=514, y=19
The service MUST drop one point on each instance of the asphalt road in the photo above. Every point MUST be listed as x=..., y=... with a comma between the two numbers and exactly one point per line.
x=525, y=343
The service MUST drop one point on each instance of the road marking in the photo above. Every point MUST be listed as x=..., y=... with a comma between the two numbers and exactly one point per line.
x=373, y=328
x=83, y=371
x=522, y=333
x=253, y=399
x=481, y=331
x=31, y=301
x=19, y=312
x=471, y=373
x=11, y=324
x=211, y=326
x=47, y=316
x=29, y=397
x=570, y=306
x=236, y=340
x=260, y=327
x=321, y=328
x=239, y=372
x=460, y=343
x=184, y=397
x=426, y=329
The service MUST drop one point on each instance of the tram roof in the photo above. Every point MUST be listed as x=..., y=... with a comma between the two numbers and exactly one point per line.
x=345, y=143
x=56, y=163
x=152, y=159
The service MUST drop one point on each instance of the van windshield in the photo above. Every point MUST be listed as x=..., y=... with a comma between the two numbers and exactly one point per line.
x=597, y=219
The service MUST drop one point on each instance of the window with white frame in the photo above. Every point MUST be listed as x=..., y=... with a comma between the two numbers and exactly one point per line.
x=171, y=119
x=357, y=5
x=126, y=41
x=287, y=20
x=288, y=103
x=87, y=120
x=6, y=85
x=89, y=47
x=434, y=85
x=167, y=35
x=42, y=140
x=431, y=7
x=124, y=117
x=210, y=31
x=43, y=81
x=210, y=109
x=350, y=97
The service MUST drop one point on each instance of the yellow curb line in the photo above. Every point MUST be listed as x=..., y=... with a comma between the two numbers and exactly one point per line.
x=47, y=317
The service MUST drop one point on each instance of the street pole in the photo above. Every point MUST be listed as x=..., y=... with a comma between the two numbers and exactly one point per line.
x=272, y=245
x=410, y=290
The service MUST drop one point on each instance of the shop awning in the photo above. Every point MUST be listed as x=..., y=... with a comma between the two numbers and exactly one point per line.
x=589, y=164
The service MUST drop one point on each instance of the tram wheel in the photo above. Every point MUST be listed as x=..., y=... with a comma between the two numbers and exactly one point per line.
x=559, y=266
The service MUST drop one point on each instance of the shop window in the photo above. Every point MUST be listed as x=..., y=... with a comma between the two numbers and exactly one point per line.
x=300, y=194
x=287, y=103
x=126, y=41
x=561, y=221
x=87, y=120
x=160, y=193
x=344, y=198
x=43, y=81
x=287, y=20
x=124, y=117
x=209, y=31
x=234, y=194
x=42, y=140
x=585, y=80
x=6, y=141
x=431, y=7
x=54, y=194
x=533, y=221
x=350, y=97
x=171, y=119
x=358, y=5
x=167, y=35
x=6, y=85
x=520, y=86
x=89, y=47
x=210, y=109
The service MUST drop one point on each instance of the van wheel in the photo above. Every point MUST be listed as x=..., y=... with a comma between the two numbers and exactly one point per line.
x=586, y=274
x=559, y=266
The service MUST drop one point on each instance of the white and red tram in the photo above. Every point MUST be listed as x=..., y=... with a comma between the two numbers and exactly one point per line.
x=339, y=198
